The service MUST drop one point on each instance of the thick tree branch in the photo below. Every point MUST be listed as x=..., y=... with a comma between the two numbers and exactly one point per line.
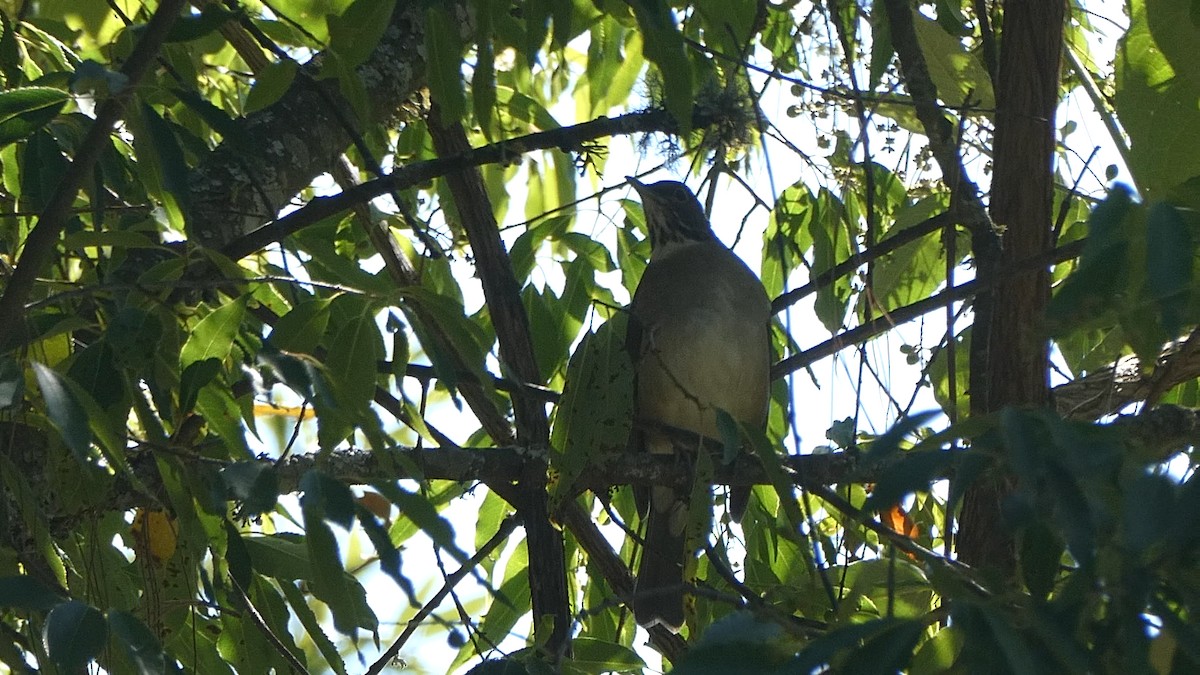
x=502, y=292
x=274, y=153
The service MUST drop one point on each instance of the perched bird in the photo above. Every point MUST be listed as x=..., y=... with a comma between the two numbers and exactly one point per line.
x=699, y=337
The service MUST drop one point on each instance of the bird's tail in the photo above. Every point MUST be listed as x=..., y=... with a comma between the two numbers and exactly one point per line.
x=658, y=596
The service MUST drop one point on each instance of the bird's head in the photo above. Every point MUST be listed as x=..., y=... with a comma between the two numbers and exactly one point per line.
x=673, y=214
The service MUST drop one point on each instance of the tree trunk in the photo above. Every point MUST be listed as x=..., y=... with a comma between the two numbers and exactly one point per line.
x=1009, y=354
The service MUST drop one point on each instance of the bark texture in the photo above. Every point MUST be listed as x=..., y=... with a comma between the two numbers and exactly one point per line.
x=1009, y=351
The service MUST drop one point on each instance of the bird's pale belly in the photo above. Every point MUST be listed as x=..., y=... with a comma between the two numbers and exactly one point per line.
x=713, y=366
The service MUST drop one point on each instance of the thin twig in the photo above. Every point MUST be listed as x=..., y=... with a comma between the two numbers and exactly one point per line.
x=507, y=526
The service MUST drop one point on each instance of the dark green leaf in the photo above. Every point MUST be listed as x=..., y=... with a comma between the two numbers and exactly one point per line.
x=1169, y=252
x=281, y=556
x=1041, y=555
x=888, y=652
x=195, y=376
x=328, y=497
x=195, y=26
x=12, y=382
x=889, y=443
x=328, y=580
x=389, y=555
x=912, y=472
x=27, y=594
x=596, y=409
x=142, y=648
x=304, y=613
x=237, y=556
x=74, y=634
x=42, y=166
x=10, y=54
x=64, y=411
x=420, y=511
x=1148, y=504
x=352, y=362
x=821, y=650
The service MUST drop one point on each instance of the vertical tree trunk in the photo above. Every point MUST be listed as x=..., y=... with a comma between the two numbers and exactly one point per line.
x=1009, y=355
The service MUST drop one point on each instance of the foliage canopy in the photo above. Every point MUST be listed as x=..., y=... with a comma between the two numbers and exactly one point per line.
x=289, y=289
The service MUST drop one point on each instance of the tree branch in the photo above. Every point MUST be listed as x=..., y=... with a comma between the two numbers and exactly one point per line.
x=502, y=293
x=411, y=175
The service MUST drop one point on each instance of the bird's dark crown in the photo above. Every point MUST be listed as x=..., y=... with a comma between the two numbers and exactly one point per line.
x=673, y=214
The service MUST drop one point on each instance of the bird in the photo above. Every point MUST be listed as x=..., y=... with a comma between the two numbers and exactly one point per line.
x=699, y=338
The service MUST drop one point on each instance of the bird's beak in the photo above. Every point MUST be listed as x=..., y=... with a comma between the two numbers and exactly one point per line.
x=637, y=184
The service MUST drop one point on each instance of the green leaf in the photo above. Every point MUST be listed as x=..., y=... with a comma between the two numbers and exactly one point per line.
x=444, y=46
x=74, y=634
x=213, y=335
x=279, y=556
x=664, y=47
x=254, y=483
x=352, y=362
x=175, y=173
x=354, y=34
x=313, y=628
x=955, y=71
x=64, y=411
x=25, y=110
x=42, y=166
x=300, y=330
x=328, y=576
x=270, y=84
x=1156, y=94
x=512, y=602
x=830, y=245
x=27, y=594
x=140, y=644
x=938, y=653
x=593, y=655
x=882, y=50
x=595, y=413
